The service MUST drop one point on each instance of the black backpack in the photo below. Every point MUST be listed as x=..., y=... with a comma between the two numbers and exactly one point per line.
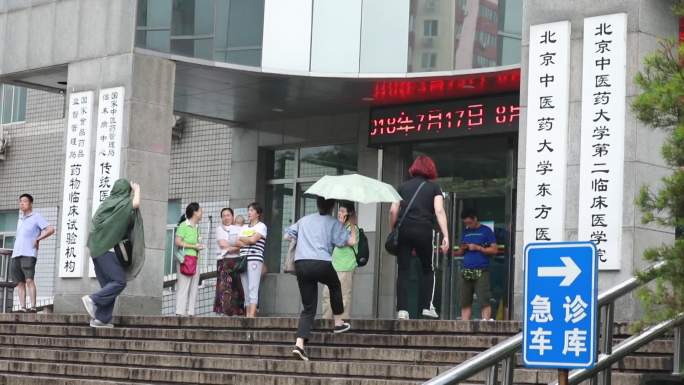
x=363, y=254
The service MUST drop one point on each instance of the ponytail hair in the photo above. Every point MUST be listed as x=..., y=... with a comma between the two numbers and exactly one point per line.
x=189, y=212
x=181, y=220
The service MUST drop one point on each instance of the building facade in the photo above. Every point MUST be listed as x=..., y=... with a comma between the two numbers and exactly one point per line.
x=231, y=101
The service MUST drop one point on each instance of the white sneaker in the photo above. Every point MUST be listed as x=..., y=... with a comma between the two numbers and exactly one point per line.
x=403, y=315
x=89, y=305
x=431, y=313
x=99, y=324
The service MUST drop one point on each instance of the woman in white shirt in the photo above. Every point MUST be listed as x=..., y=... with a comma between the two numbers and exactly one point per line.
x=253, y=243
x=230, y=296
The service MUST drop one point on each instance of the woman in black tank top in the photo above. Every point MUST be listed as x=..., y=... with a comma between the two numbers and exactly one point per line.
x=415, y=233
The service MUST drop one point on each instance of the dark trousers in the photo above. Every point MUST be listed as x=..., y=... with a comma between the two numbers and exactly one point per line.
x=309, y=273
x=418, y=238
x=112, y=280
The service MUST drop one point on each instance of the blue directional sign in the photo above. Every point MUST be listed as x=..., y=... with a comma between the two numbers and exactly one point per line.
x=560, y=305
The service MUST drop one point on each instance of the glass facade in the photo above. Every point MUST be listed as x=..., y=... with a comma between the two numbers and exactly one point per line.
x=12, y=104
x=443, y=34
x=8, y=228
x=451, y=35
x=290, y=173
x=223, y=30
x=173, y=213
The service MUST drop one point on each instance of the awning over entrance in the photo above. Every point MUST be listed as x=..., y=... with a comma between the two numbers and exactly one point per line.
x=249, y=96
x=246, y=94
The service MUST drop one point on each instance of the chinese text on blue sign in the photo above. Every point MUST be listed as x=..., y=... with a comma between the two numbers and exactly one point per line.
x=560, y=305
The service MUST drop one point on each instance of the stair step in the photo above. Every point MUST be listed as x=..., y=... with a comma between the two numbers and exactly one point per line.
x=429, y=356
x=177, y=377
x=288, y=366
x=11, y=379
x=276, y=323
x=211, y=350
x=261, y=336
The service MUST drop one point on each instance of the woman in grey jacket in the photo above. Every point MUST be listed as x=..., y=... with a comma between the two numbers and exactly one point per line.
x=317, y=235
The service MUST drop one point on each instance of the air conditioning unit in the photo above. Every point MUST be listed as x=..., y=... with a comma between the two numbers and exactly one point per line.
x=428, y=42
x=4, y=143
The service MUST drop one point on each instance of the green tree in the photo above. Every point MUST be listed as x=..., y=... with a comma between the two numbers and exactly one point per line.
x=661, y=105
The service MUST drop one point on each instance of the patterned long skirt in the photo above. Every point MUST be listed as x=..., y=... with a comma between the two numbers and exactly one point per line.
x=230, y=297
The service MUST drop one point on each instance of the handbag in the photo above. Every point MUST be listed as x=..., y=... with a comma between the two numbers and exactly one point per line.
x=124, y=249
x=189, y=265
x=124, y=252
x=392, y=242
x=240, y=264
x=290, y=258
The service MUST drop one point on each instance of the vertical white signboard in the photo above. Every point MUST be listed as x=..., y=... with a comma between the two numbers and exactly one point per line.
x=74, y=224
x=107, y=167
x=602, y=151
x=548, y=86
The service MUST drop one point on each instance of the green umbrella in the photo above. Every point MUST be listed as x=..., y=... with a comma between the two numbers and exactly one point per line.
x=354, y=187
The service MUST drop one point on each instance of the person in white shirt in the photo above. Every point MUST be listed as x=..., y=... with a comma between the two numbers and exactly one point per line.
x=230, y=296
x=252, y=243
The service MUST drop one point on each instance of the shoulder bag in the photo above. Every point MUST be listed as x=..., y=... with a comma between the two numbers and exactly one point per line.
x=392, y=242
x=189, y=264
x=124, y=249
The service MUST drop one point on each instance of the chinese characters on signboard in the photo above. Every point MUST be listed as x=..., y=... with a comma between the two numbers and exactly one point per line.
x=107, y=143
x=547, y=126
x=485, y=115
x=559, y=323
x=77, y=168
x=107, y=146
x=602, y=136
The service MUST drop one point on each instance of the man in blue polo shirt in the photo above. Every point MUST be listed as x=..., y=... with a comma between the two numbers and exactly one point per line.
x=478, y=245
x=31, y=229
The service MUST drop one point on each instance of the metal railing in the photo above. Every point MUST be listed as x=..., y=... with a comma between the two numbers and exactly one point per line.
x=6, y=284
x=505, y=352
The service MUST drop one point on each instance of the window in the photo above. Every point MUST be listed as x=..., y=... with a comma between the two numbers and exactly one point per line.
x=290, y=172
x=458, y=28
x=428, y=60
x=481, y=61
x=430, y=28
x=486, y=39
x=229, y=31
x=489, y=14
x=173, y=212
x=8, y=228
x=12, y=104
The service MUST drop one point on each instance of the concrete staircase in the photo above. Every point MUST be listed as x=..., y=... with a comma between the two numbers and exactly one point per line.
x=47, y=349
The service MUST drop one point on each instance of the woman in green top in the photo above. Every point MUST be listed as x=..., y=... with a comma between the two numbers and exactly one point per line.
x=344, y=261
x=188, y=239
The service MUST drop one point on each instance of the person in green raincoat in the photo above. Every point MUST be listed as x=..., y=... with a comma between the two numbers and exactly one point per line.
x=117, y=218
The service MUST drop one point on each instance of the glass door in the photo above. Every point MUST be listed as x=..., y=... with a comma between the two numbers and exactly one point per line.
x=492, y=208
x=474, y=173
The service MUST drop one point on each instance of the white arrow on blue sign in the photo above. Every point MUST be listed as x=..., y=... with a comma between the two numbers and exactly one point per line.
x=560, y=305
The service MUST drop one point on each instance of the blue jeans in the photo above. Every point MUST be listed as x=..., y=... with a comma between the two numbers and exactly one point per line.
x=112, y=279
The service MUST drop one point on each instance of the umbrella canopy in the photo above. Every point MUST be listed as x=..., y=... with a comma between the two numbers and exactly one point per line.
x=354, y=187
